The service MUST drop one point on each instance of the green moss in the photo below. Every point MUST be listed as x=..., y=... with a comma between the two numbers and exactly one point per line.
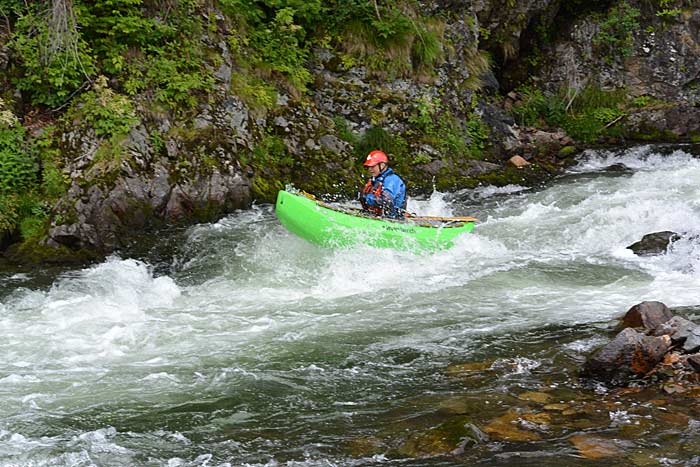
x=649, y=133
x=265, y=188
x=567, y=151
x=32, y=251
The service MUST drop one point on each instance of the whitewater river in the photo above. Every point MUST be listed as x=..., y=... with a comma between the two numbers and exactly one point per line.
x=235, y=343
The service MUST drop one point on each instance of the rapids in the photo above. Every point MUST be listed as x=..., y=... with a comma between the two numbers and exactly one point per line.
x=235, y=343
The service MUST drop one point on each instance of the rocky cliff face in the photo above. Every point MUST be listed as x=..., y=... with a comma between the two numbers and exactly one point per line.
x=210, y=162
x=659, y=67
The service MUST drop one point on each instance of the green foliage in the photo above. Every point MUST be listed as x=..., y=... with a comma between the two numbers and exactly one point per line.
x=666, y=9
x=427, y=49
x=392, y=39
x=343, y=129
x=49, y=76
x=175, y=80
x=465, y=139
x=531, y=108
x=9, y=209
x=32, y=226
x=425, y=111
x=115, y=27
x=17, y=169
x=375, y=138
x=641, y=101
x=279, y=47
x=109, y=113
x=253, y=91
x=271, y=38
x=616, y=30
x=53, y=181
x=10, y=8
x=271, y=151
x=586, y=115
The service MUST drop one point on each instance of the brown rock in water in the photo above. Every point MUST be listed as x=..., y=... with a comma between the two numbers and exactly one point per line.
x=654, y=243
x=594, y=448
x=506, y=428
x=648, y=315
x=631, y=354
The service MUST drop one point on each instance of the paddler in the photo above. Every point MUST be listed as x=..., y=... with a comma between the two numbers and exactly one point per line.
x=385, y=193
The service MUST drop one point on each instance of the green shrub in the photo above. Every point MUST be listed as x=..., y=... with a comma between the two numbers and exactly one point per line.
x=32, y=227
x=374, y=138
x=107, y=112
x=391, y=39
x=616, y=30
x=17, y=169
x=280, y=49
x=532, y=107
x=343, y=129
x=586, y=115
x=50, y=74
x=8, y=213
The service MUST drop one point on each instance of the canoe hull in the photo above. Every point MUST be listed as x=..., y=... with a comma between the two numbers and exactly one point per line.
x=315, y=223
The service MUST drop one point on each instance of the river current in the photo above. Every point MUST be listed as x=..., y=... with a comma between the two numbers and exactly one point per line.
x=236, y=343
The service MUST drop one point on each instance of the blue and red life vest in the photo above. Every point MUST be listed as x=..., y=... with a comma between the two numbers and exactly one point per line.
x=384, y=195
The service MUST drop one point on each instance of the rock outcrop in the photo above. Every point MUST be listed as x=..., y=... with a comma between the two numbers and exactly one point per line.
x=653, y=344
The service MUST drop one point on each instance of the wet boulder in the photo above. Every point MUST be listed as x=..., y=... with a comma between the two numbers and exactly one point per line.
x=692, y=343
x=654, y=243
x=648, y=315
x=678, y=329
x=631, y=354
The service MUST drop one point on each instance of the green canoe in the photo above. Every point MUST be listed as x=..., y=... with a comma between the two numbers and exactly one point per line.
x=326, y=225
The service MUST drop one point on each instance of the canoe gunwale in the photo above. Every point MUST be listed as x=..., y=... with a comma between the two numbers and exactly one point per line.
x=419, y=221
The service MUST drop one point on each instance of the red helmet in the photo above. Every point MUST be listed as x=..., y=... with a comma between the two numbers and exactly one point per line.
x=374, y=158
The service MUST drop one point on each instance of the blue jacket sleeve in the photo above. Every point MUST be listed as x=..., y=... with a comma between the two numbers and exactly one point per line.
x=395, y=187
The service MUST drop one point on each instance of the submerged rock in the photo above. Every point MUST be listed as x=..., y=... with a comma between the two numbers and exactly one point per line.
x=450, y=437
x=592, y=447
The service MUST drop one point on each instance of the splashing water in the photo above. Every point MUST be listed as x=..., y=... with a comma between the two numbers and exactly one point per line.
x=260, y=349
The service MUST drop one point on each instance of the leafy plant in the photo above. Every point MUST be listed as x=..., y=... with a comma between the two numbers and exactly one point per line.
x=8, y=213
x=17, y=169
x=392, y=39
x=616, y=30
x=55, y=63
x=586, y=114
x=109, y=113
x=426, y=108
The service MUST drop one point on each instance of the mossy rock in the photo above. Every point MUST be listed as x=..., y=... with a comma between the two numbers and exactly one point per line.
x=32, y=252
x=566, y=152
